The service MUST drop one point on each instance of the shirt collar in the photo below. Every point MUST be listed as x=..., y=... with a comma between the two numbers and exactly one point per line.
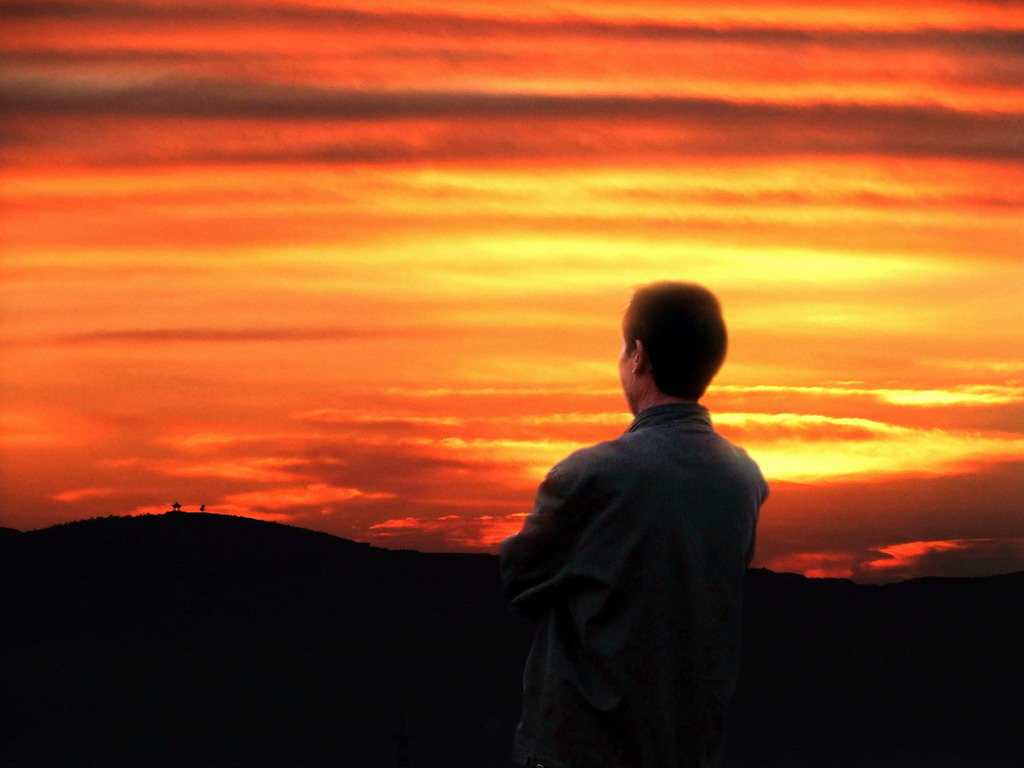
x=693, y=413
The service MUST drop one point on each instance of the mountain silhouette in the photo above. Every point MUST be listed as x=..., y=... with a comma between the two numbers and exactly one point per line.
x=205, y=640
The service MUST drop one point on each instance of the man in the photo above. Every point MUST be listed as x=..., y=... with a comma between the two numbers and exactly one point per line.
x=632, y=563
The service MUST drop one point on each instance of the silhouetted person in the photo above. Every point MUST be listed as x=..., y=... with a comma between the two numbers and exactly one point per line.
x=632, y=562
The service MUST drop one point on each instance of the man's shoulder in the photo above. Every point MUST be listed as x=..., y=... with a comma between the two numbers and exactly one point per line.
x=644, y=453
x=603, y=459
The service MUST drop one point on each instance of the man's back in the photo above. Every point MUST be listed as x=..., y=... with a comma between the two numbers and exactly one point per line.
x=632, y=562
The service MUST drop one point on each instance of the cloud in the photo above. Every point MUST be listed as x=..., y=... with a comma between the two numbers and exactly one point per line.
x=967, y=394
x=296, y=497
x=506, y=451
x=485, y=468
x=815, y=565
x=958, y=557
x=515, y=462
x=339, y=416
x=819, y=449
x=550, y=125
x=984, y=366
x=497, y=458
x=211, y=335
x=78, y=494
x=35, y=427
x=499, y=392
x=479, y=532
x=535, y=456
x=909, y=560
x=415, y=461
x=211, y=442
x=545, y=422
x=255, y=470
x=803, y=28
x=787, y=197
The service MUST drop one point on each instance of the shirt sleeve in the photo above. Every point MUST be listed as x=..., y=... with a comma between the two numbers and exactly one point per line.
x=535, y=562
x=753, y=531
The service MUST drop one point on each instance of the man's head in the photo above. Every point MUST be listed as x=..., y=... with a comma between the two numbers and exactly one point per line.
x=674, y=336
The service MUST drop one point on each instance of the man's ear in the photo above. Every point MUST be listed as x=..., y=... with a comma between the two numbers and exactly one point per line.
x=641, y=362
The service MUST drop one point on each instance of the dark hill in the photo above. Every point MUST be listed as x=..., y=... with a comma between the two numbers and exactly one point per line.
x=202, y=640
x=203, y=578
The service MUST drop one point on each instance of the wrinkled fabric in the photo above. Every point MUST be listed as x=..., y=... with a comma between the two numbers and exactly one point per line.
x=632, y=563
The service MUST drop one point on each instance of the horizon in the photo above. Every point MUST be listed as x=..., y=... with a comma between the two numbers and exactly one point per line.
x=360, y=267
x=875, y=579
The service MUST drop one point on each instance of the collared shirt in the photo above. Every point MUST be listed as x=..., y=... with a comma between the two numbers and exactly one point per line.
x=632, y=564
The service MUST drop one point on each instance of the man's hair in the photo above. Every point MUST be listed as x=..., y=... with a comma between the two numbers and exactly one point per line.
x=682, y=330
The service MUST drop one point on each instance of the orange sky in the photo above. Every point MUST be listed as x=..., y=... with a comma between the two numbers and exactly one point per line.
x=359, y=266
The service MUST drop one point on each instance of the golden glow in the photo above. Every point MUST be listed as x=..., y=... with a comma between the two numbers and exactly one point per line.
x=960, y=395
x=819, y=449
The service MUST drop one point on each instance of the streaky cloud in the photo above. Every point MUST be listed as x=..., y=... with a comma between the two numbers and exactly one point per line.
x=711, y=126
x=963, y=395
x=212, y=335
x=78, y=494
x=185, y=96
x=439, y=23
x=297, y=497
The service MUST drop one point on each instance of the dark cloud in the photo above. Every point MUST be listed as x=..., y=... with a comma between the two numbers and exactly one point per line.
x=750, y=134
x=961, y=558
x=200, y=97
x=858, y=517
x=452, y=25
x=406, y=471
x=487, y=125
x=959, y=525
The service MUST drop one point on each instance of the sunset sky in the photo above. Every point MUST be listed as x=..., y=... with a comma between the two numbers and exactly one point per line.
x=360, y=266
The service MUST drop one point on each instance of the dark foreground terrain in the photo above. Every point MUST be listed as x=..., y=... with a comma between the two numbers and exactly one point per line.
x=204, y=641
